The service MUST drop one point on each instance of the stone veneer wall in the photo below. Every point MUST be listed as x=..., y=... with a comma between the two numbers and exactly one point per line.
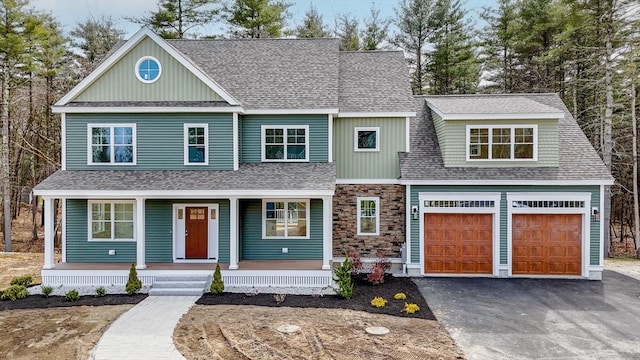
x=392, y=219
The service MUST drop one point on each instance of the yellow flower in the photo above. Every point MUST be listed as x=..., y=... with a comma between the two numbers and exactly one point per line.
x=378, y=302
x=411, y=308
x=400, y=296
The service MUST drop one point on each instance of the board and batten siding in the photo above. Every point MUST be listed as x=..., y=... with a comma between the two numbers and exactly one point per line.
x=383, y=164
x=454, y=138
x=595, y=201
x=176, y=83
x=254, y=247
x=251, y=133
x=159, y=140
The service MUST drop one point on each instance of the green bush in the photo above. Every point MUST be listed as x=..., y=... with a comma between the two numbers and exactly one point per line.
x=101, y=291
x=47, y=290
x=133, y=284
x=342, y=275
x=72, y=295
x=14, y=292
x=24, y=280
x=217, y=285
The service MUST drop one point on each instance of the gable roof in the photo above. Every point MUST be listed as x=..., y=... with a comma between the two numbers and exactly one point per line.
x=516, y=106
x=578, y=161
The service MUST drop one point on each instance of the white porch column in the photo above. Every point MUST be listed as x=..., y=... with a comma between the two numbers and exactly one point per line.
x=140, y=234
x=49, y=232
x=233, y=233
x=327, y=232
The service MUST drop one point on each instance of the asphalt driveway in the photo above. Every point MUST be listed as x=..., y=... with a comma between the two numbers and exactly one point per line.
x=539, y=318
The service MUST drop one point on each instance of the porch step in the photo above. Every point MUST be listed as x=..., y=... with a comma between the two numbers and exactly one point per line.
x=179, y=285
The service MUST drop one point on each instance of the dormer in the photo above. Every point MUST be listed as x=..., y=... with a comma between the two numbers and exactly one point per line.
x=495, y=131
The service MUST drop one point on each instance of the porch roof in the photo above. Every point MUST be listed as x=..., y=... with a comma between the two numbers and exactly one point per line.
x=266, y=178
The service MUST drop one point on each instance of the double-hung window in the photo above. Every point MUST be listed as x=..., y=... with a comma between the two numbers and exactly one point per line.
x=196, y=144
x=285, y=219
x=111, y=220
x=112, y=144
x=502, y=142
x=368, y=216
x=285, y=143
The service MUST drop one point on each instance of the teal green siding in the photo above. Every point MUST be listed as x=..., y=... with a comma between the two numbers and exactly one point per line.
x=251, y=132
x=159, y=137
x=595, y=201
x=254, y=247
x=383, y=164
x=158, y=231
x=81, y=250
x=176, y=83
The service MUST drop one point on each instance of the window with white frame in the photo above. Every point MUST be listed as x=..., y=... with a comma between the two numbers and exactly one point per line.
x=285, y=143
x=285, y=218
x=111, y=220
x=196, y=144
x=368, y=216
x=112, y=144
x=366, y=139
x=502, y=142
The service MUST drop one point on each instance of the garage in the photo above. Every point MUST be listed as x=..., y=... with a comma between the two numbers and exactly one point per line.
x=547, y=244
x=458, y=243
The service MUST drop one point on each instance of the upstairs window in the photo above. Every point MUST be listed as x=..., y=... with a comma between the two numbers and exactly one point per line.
x=502, y=142
x=285, y=143
x=112, y=144
x=196, y=144
x=148, y=69
x=366, y=139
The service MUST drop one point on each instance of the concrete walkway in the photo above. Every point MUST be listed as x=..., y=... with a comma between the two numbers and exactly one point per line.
x=145, y=331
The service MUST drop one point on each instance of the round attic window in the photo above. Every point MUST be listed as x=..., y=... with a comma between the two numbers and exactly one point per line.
x=148, y=69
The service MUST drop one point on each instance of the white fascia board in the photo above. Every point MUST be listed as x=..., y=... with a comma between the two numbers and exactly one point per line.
x=506, y=182
x=375, y=114
x=367, y=181
x=181, y=194
x=130, y=44
x=290, y=111
x=144, y=109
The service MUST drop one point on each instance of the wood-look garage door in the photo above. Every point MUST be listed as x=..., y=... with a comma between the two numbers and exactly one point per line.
x=548, y=244
x=458, y=243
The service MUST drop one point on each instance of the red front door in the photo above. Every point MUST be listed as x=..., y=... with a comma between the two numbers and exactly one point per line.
x=196, y=234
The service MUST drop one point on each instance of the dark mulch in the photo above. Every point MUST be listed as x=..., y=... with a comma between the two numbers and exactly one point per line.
x=363, y=292
x=40, y=301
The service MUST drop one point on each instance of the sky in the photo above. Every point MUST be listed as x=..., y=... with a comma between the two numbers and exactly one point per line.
x=71, y=12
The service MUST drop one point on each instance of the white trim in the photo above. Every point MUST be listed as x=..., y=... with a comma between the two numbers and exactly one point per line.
x=236, y=142
x=494, y=116
x=49, y=232
x=290, y=111
x=63, y=231
x=407, y=134
x=137, y=72
x=407, y=226
x=112, y=203
x=181, y=194
x=144, y=109
x=124, y=49
x=512, y=142
x=602, y=188
x=327, y=232
x=179, y=227
x=375, y=114
x=330, y=138
x=139, y=230
x=367, y=181
x=233, y=233
x=366, y=128
x=285, y=144
x=285, y=210
x=376, y=200
x=464, y=196
x=186, y=144
x=112, y=144
x=551, y=196
x=506, y=182
x=63, y=141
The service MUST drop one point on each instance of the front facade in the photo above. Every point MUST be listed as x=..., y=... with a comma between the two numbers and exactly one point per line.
x=277, y=157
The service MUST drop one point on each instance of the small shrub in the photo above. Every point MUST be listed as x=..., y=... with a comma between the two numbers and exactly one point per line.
x=24, y=280
x=217, y=285
x=411, y=308
x=47, y=290
x=15, y=292
x=378, y=302
x=376, y=276
x=101, y=291
x=356, y=261
x=342, y=275
x=279, y=298
x=400, y=296
x=133, y=284
x=72, y=295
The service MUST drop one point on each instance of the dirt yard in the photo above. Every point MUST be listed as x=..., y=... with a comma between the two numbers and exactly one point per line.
x=249, y=332
x=55, y=333
x=18, y=264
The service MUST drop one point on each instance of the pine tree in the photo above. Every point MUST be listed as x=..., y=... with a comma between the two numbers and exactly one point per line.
x=347, y=32
x=175, y=18
x=256, y=18
x=94, y=38
x=133, y=283
x=376, y=30
x=312, y=25
x=217, y=285
x=498, y=42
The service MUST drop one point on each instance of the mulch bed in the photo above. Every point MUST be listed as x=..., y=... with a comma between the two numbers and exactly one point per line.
x=40, y=301
x=363, y=292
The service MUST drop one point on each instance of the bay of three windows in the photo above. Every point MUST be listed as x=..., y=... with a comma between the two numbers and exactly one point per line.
x=502, y=142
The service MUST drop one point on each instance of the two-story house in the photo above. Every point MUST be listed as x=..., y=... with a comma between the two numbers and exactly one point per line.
x=276, y=157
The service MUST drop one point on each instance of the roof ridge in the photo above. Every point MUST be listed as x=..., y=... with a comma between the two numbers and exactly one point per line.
x=252, y=39
x=490, y=95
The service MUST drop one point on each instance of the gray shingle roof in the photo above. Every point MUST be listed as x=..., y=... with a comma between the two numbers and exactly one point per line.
x=259, y=176
x=577, y=159
x=374, y=81
x=469, y=104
